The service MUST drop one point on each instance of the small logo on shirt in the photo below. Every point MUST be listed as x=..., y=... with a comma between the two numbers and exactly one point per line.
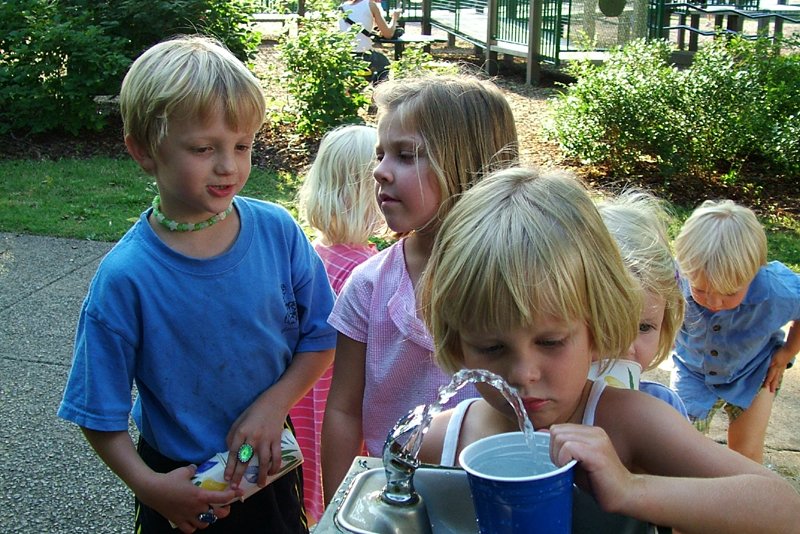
x=291, y=307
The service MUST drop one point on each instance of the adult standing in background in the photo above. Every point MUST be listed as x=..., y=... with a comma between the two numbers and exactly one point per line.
x=370, y=15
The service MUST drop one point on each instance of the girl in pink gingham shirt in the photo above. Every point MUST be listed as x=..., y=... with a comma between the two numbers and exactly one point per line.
x=437, y=135
x=337, y=200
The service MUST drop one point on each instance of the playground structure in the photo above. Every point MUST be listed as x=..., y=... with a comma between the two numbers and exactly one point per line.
x=550, y=31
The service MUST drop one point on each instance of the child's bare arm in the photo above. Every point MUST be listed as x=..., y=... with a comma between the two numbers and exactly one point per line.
x=691, y=483
x=170, y=494
x=342, y=436
x=740, y=503
x=782, y=357
x=432, y=446
x=261, y=424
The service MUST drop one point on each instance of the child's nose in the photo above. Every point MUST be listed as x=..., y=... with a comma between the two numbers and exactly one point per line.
x=523, y=372
x=381, y=172
x=226, y=164
x=713, y=301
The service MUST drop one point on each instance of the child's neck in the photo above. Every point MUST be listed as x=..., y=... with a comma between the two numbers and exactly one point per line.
x=206, y=243
x=417, y=250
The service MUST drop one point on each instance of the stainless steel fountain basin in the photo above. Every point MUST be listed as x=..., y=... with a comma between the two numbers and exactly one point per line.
x=447, y=505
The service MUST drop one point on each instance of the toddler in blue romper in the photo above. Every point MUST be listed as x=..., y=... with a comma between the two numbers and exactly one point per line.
x=731, y=351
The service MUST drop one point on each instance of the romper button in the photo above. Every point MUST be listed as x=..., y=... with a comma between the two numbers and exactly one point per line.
x=716, y=328
x=714, y=353
x=712, y=373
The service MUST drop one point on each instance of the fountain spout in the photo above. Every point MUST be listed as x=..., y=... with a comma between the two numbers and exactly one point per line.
x=400, y=460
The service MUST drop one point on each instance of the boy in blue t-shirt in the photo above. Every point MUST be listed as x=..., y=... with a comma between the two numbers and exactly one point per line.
x=731, y=352
x=215, y=306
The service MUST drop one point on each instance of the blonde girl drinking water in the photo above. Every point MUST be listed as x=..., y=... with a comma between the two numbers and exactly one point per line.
x=524, y=280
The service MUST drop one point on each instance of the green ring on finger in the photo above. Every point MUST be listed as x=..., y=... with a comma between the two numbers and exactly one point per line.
x=245, y=453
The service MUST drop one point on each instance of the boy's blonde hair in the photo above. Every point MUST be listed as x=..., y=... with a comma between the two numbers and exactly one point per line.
x=518, y=246
x=337, y=197
x=638, y=223
x=722, y=243
x=187, y=76
x=466, y=125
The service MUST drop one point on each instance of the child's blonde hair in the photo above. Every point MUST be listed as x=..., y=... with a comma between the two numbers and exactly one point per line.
x=337, y=198
x=518, y=246
x=466, y=125
x=187, y=76
x=638, y=223
x=723, y=244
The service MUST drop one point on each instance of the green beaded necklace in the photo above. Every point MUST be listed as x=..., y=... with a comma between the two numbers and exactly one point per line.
x=175, y=226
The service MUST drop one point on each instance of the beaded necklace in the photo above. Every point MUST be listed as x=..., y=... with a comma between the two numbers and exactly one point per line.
x=175, y=226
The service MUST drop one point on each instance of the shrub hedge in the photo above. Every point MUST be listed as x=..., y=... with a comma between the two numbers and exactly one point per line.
x=739, y=101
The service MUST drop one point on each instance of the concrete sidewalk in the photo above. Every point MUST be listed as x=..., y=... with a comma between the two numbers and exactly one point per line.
x=51, y=479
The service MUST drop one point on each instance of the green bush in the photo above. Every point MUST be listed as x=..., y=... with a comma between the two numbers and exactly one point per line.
x=53, y=62
x=781, y=142
x=737, y=102
x=325, y=80
x=416, y=60
x=622, y=110
x=56, y=57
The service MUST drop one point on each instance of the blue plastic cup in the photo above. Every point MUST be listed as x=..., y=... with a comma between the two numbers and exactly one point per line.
x=515, y=489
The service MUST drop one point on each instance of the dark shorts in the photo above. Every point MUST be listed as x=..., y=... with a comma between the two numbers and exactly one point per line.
x=378, y=65
x=277, y=508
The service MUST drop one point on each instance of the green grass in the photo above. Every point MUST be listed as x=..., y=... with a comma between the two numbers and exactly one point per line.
x=98, y=198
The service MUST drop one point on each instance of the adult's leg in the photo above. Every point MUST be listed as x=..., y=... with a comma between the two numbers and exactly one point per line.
x=747, y=432
x=379, y=66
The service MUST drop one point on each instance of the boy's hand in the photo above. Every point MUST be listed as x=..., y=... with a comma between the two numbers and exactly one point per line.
x=776, y=369
x=261, y=428
x=181, y=502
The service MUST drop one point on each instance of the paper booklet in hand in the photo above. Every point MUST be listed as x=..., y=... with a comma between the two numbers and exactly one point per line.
x=210, y=474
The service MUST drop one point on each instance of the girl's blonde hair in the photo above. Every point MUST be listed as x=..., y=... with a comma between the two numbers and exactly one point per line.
x=337, y=198
x=518, y=246
x=638, y=223
x=722, y=243
x=188, y=76
x=466, y=125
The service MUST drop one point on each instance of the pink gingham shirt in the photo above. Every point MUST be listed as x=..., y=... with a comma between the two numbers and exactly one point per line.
x=377, y=307
x=341, y=259
x=307, y=414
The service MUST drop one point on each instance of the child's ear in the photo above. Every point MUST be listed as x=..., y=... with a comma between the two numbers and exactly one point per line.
x=140, y=154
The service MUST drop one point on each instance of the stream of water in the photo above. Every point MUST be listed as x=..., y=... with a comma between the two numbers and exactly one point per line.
x=419, y=419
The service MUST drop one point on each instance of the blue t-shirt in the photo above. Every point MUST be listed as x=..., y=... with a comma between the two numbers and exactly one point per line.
x=725, y=355
x=201, y=338
x=660, y=391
